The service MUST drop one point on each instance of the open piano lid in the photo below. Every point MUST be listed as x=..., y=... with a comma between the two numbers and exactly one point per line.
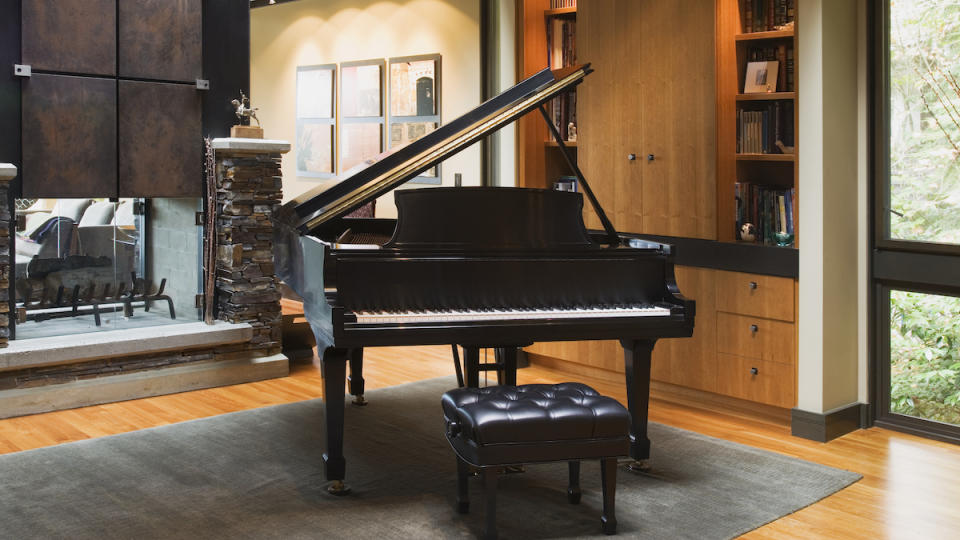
x=318, y=206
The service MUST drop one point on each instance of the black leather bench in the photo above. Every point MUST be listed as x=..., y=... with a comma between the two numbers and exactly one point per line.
x=512, y=425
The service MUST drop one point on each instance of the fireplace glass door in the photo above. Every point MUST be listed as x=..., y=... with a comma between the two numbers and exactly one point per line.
x=92, y=265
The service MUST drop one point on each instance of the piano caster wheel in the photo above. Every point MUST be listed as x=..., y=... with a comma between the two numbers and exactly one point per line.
x=338, y=488
x=639, y=466
x=359, y=401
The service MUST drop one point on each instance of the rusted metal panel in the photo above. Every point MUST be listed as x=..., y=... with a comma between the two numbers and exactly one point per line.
x=160, y=141
x=69, y=136
x=161, y=39
x=77, y=36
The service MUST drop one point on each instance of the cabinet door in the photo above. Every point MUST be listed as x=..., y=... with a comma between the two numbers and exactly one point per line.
x=692, y=361
x=652, y=95
x=173, y=54
x=678, y=99
x=75, y=36
x=69, y=136
x=160, y=140
x=608, y=110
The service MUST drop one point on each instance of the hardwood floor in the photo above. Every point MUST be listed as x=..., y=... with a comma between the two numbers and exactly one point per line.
x=910, y=487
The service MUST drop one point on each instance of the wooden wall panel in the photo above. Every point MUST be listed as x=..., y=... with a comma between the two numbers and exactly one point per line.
x=70, y=126
x=160, y=142
x=76, y=36
x=608, y=111
x=161, y=39
x=692, y=361
x=678, y=98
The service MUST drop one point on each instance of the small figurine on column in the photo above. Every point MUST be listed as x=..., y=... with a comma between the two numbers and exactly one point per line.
x=244, y=130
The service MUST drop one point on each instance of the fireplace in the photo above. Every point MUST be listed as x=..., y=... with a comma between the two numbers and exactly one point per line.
x=93, y=265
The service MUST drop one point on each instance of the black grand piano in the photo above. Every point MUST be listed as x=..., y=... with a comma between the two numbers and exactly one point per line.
x=477, y=266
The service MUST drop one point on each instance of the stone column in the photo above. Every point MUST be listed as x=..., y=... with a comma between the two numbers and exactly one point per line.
x=249, y=188
x=7, y=173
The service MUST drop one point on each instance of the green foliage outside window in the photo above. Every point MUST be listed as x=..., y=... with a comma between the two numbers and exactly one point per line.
x=925, y=200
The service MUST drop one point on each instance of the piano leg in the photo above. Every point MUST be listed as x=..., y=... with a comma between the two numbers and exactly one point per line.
x=637, y=366
x=508, y=356
x=471, y=365
x=334, y=370
x=355, y=380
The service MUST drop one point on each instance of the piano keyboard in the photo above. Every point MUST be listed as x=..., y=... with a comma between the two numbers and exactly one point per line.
x=455, y=315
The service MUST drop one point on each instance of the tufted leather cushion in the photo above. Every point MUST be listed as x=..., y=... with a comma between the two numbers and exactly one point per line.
x=534, y=422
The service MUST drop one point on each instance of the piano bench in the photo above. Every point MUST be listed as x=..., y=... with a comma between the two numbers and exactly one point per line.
x=497, y=426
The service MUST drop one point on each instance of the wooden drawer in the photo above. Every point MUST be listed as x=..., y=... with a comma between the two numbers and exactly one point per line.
x=755, y=337
x=753, y=294
x=773, y=384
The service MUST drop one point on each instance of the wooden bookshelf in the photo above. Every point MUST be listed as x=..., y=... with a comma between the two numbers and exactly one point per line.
x=774, y=34
x=736, y=46
x=540, y=161
x=770, y=96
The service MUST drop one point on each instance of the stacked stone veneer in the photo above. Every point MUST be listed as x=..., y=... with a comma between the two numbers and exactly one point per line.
x=248, y=193
x=7, y=173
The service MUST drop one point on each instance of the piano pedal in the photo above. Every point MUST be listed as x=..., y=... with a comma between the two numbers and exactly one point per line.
x=515, y=469
x=359, y=401
x=639, y=466
x=338, y=488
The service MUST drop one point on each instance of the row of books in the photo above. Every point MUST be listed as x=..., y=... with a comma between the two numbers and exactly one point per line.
x=769, y=209
x=557, y=4
x=561, y=46
x=563, y=113
x=783, y=54
x=767, y=15
x=761, y=127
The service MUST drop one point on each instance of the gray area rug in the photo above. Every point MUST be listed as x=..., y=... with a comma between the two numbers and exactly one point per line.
x=258, y=474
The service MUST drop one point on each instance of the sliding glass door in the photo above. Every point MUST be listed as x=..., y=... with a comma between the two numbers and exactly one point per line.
x=916, y=264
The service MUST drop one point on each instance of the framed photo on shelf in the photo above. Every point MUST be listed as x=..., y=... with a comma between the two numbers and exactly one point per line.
x=316, y=115
x=761, y=77
x=414, y=104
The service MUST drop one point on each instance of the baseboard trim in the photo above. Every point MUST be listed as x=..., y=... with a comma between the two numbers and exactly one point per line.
x=823, y=427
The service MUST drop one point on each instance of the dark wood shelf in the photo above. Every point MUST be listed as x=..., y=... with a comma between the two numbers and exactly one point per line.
x=568, y=144
x=766, y=157
x=767, y=96
x=560, y=11
x=775, y=34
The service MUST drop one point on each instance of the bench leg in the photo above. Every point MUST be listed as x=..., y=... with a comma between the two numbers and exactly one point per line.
x=490, y=502
x=463, y=497
x=573, y=489
x=608, y=473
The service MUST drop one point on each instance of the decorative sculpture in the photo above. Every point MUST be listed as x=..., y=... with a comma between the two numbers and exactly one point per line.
x=243, y=109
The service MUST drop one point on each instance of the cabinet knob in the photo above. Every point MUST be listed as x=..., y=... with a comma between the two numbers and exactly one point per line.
x=631, y=157
x=753, y=328
x=753, y=285
x=754, y=371
x=650, y=157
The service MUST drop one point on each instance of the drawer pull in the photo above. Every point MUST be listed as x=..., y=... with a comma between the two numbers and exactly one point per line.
x=754, y=371
x=753, y=329
x=753, y=285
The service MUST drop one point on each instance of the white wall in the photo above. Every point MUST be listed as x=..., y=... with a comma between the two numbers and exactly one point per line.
x=310, y=32
x=830, y=170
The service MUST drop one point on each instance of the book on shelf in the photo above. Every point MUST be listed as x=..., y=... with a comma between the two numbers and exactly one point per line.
x=560, y=4
x=761, y=126
x=766, y=15
x=561, y=52
x=770, y=209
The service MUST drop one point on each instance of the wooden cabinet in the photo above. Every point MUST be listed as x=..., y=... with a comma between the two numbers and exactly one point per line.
x=692, y=362
x=647, y=114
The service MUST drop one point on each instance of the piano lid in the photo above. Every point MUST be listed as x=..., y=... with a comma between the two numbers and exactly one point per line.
x=391, y=169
